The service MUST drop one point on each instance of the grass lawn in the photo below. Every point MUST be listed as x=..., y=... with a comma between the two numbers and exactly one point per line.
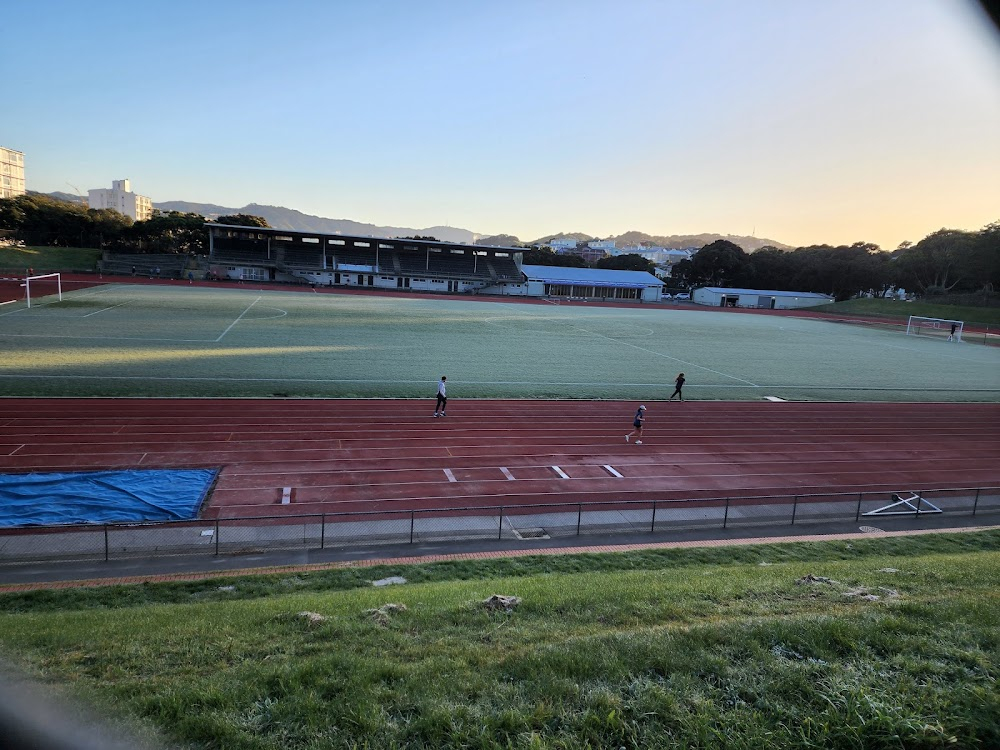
x=46, y=259
x=893, y=643
x=901, y=311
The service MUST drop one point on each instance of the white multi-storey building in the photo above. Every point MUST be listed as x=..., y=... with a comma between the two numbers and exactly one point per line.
x=605, y=245
x=563, y=245
x=11, y=173
x=121, y=198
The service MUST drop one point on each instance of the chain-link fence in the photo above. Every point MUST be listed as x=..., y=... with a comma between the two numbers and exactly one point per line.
x=241, y=536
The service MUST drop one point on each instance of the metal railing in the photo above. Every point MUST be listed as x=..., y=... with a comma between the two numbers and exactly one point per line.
x=235, y=536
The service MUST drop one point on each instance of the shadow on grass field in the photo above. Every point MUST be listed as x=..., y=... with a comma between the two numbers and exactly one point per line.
x=876, y=643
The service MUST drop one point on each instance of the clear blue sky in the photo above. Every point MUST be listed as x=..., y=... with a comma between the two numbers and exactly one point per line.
x=800, y=120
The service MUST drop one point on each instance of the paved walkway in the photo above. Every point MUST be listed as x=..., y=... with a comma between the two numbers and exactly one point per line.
x=232, y=568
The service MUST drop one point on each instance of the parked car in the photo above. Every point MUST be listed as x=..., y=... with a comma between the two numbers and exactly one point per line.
x=666, y=295
x=682, y=297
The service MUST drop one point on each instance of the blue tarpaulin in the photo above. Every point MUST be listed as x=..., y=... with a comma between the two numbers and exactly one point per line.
x=103, y=496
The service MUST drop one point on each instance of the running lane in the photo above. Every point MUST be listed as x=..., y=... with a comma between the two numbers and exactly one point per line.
x=393, y=455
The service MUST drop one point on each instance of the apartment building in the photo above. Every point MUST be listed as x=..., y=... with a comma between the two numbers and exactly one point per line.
x=11, y=173
x=121, y=198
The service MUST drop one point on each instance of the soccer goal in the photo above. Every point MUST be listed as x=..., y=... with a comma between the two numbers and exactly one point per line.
x=951, y=330
x=42, y=286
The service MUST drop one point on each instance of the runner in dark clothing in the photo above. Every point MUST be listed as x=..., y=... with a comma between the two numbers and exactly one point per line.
x=677, y=390
x=640, y=417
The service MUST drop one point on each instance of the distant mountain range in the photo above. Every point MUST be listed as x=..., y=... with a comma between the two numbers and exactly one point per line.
x=280, y=217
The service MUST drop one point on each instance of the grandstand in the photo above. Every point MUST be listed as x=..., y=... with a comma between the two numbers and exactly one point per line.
x=339, y=260
x=259, y=254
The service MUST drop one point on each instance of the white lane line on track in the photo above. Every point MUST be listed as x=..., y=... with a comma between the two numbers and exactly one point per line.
x=560, y=472
x=506, y=473
x=612, y=472
x=451, y=477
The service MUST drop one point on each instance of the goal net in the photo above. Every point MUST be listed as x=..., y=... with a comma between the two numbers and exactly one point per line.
x=950, y=330
x=43, y=285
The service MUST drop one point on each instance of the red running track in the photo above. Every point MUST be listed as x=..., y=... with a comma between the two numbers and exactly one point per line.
x=346, y=456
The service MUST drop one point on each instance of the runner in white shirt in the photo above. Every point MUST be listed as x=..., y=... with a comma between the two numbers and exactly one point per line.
x=442, y=399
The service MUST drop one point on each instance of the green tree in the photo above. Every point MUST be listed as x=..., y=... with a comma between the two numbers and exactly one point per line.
x=543, y=256
x=630, y=262
x=173, y=232
x=244, y=220
x=943, y=260
x=721, y=263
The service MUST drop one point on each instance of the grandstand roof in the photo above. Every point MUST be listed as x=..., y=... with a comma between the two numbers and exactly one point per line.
x=765, y=292
x=365, y=238
x=590, y=276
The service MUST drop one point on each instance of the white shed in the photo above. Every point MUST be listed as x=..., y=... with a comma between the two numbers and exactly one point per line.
x=758, y=298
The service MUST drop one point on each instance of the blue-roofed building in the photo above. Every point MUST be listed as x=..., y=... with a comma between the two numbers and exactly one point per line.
x=758, y=298
x=591, y=283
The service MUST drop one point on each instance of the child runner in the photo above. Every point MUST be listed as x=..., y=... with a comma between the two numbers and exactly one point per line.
x=442, y=399
x=640, y=416
x=677, y=390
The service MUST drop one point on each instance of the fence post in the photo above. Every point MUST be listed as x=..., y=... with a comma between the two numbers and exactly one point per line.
x=500, y=525
x=579, y=517
x=975, y=503
x=412, y=521
x=322, y=530
x=106, y=552
x=795, y=507
x=920, y=497
x=217, y=536
x=652, y=526
x=725, y=518
x=857, y=516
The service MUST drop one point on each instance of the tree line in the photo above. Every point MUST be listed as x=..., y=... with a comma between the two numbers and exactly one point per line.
x=947, y=261
x=944, y=262
x=40, y=220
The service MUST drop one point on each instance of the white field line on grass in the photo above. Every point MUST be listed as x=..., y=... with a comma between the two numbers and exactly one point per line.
x=238, y=319
x=423, y=382
x=654, y=353
x=74, y=295
x=140, y=339
x=96, y=312
x=105, y=338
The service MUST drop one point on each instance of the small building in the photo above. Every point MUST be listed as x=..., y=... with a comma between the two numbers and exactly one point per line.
x=757, y=298
x=591, y=283
x=121, y=199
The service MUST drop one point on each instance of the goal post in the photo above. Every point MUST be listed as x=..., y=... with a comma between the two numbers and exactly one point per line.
x=950, y=330
x=42, y=285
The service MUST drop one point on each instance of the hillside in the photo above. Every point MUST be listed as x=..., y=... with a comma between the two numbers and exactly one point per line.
x=280, y=217
x=880, y=643
x=679, y=241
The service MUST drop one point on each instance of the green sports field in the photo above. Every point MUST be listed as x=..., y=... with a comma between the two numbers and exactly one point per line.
x=148, y=340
